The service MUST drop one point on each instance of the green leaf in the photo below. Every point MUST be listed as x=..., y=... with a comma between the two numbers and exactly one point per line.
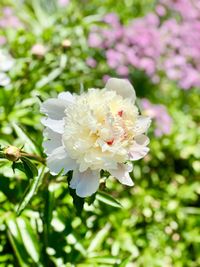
x=49, y=205
x=47, y=79
x=91, y=199
x=125, y=262
x=2, y=155
x=24, y=241
x=29, y=145
x=12, y=193
x=104, y=261
x=18, y=166
x=29, y=239
x=31, y=190
x=107, y=199
x=16, y=243
x=29, y=168
x=99, y=238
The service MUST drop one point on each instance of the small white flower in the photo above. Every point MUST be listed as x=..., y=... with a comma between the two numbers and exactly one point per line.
x=4, y=79
x=99, y=129
x=6, y=61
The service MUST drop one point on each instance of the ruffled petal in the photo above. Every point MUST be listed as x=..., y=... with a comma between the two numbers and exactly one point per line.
x=86, y=183
x=122, y=87
x=137, y=151
x=67, y=96
x=59, y=160
x=54, y=108
x=122, y=174
x=141, y=125
x=53, y=140
x=142, y=140
x=55, y=125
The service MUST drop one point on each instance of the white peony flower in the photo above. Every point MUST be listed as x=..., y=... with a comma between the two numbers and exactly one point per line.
x=99, y=129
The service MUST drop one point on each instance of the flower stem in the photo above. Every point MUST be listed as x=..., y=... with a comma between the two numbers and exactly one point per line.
x=33, y=156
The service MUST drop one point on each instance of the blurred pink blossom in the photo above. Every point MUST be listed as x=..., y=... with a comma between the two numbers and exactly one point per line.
x=9, y=19
x=168, y=46
x=2, y=40
x=63, y=3
x=91, y=62
x=94, y=40
x=159, y=114
x=160, y=10
x=112, y=19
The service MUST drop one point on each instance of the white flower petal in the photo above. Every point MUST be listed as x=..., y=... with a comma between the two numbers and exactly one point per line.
x=122, y=174
x=55, y=125
x=122, y=87
x=141, y=125
x=86, y=183
x=4, y=79
x=142, y=140
x=66, y=96
x=59, y=160
x=6, y=61
x=138, y=151
x=53, y=140
x=75, y=179
x=54, y=108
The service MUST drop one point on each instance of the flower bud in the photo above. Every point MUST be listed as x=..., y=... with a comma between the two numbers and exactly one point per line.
x=38, y=50
x=66, y=43
x=12, y=153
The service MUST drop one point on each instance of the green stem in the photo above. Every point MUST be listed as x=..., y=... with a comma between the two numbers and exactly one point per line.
x=35, y=157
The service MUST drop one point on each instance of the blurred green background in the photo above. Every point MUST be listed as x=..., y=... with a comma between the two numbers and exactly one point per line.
x=44, y=50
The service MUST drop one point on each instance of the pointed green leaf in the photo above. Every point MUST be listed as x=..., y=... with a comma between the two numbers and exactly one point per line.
x=47, y=79
x=24, y=241
x=29, y=168
x=125, y=262
x=31, y=190
x=16, y=243
x=18, y=166
x=49, y=205
x=91, y=199
x=108, y=199
x=104, y=261
x=99, y=238
x=29, y=239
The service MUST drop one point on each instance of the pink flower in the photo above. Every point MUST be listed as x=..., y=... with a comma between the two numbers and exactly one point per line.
x=94, y=40
x=63, y=3
x=159, y=114
x=2, y=40
x=9, y=19
x=91, y=62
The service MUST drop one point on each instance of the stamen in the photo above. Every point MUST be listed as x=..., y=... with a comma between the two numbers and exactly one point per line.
x=110, y=142
x=120, y=113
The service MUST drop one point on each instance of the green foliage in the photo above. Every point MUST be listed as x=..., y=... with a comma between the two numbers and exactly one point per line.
x=155, y=223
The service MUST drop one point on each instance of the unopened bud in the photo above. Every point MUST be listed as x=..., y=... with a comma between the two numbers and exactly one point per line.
x=12, y=153
x=38, y=50
x=66, y=43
